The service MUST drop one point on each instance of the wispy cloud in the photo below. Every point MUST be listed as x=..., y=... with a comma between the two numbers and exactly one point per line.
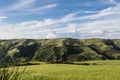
x=102, y=24
x=42, y=7
x=2, y=18
x=24, y=7
x=22, y=4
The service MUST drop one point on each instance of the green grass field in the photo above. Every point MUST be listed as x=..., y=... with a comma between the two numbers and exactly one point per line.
x=104, y=70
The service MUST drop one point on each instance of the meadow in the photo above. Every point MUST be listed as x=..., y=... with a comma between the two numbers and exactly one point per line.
x=96, y=70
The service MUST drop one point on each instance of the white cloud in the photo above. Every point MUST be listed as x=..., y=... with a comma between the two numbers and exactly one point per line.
x=104, y=24
x=2, y=18
x=112, y=1
x=51, y=35
x=22, y=4
x=42, y=7
x=103, y=13
x=96, y=32
x=71, y=15
x=71, y=28
x=6, y=32
x=27, y=6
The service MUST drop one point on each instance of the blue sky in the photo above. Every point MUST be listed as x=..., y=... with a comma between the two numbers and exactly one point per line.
x=39, y=19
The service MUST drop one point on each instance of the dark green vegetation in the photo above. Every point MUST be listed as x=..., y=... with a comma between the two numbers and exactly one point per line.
x=59, y=50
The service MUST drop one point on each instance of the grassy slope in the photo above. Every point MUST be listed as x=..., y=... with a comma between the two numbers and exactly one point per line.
x=106, y=70
x=58, y=50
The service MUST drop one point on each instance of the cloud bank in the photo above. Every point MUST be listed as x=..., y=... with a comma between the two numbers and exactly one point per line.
x=104, y=23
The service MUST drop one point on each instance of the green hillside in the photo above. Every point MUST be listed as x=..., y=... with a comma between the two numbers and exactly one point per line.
x=59, y=50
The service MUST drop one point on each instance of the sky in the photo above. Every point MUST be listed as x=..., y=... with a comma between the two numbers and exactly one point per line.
x=48, y=19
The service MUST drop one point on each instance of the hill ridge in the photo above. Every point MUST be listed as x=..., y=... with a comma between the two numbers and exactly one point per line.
x=60, y=49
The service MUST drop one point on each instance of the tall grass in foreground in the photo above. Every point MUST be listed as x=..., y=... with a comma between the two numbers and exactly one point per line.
x=11, y=73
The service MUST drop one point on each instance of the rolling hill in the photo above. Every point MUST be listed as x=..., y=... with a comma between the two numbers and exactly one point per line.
x=59, y=50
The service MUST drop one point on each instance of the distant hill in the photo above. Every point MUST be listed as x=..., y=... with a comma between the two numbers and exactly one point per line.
x=59, y=50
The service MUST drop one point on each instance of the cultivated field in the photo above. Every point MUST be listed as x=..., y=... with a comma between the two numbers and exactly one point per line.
x=96, y=70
